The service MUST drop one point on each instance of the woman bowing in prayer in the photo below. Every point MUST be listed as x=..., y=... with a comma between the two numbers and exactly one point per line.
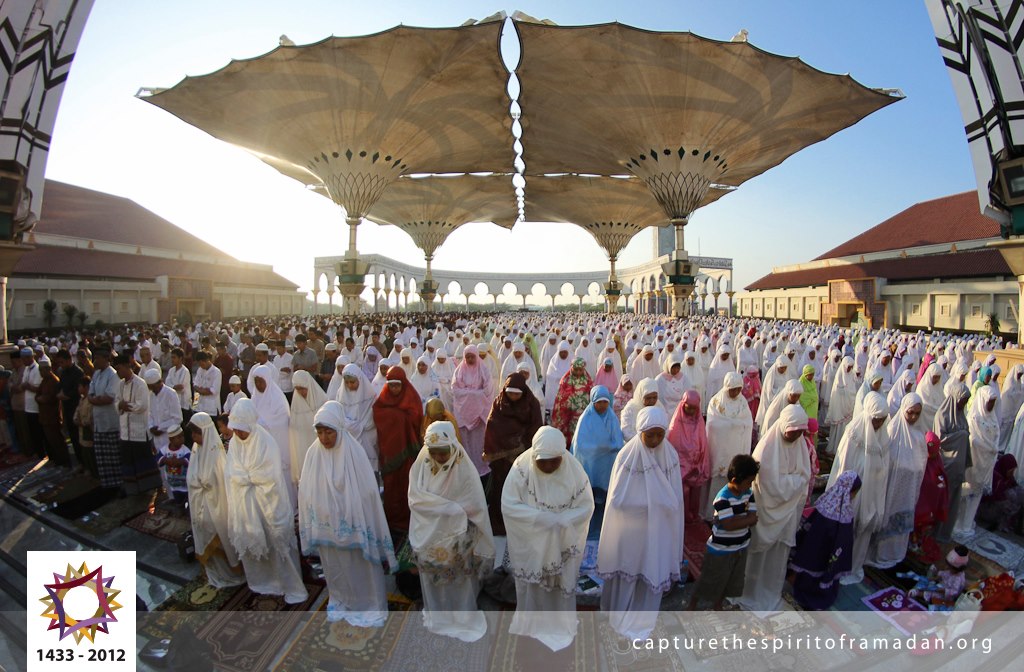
x=596, y=442
x=473, y=392
x=572, y=398
x=547, y=505
x=514, y=418
x=865, y=450
x=729, y=428
x=306, y=401
x=780, y=492
x=397, y=413
x=641, y=548
x=356, y=396
x=341, y=519
x=272, y=409
x=208, y=505
x=823, y=545
x=689, y=437
x=261, y=522
x=908, y=455
x=450, y=535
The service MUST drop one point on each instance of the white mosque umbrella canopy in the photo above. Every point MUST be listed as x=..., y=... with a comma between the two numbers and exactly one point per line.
x=352, y=114
x=679, y=111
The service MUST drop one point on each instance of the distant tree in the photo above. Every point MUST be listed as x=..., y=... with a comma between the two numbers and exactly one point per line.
x=49, y=312
x=81, y=318
x=992, y=323
x=69, y=315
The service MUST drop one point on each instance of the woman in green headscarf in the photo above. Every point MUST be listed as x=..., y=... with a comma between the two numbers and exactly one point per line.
x=809, y=397
x=531, y=349
x=984, y=378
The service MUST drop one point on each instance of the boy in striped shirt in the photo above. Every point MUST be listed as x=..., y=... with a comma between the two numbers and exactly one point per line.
x=725, y=561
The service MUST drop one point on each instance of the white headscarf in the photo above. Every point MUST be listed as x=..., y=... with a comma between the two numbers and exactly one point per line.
x=425, y=384
x=865, y=450
x=729, y=426
x=207, y=495
x=260, y=519
x=780, y=488
x=300, y=428
x=339, y=503
x=449, y=529
x=271, y=405
x=547, y=515
x=642, y=533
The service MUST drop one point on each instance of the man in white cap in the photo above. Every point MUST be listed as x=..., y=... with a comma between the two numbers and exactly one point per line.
x=164, y=412
x=262, y=357
x=31, y=379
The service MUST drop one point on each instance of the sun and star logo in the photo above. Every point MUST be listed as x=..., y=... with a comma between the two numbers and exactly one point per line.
x=92, y=581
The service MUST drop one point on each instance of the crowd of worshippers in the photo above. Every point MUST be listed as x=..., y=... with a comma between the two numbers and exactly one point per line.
x=407, y=443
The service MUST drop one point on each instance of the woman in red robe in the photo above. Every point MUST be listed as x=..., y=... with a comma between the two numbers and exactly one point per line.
x=933, y=502
x=398, y=413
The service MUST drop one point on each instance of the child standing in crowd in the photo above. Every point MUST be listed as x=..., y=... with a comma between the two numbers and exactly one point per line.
x=735, y=513
x=173, y=461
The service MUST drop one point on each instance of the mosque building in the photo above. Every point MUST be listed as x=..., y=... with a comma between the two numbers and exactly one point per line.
x=926, y=267
x=117, y=262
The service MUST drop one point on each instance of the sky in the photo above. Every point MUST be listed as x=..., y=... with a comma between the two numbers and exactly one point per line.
x=106, y=139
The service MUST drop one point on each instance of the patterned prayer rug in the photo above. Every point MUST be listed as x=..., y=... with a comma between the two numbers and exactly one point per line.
x=513, y=653
x=250, y=630
x=695, y=543
x=1000, y=550
x=902, y=612
x=322, y=645
x=162, y=523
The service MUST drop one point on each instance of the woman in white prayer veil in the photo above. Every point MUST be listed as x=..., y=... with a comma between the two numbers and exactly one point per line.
x=957, y=376
x=903, y=385
x=535, y=387
x=643, y=367
x=450, y=534
x=1010, y=402
x=274, y=415
x=841, y=403
x=406, y=362
x=558, y=367
x=983, y=421
x=672, y=382
x=774, y=381
x=425, y=382
x=208, y=505
x=261, y=521
x=380, y=380
x=644, y=394
x=356, y=397
x=908, y=456
x=873, y=382
x=780, y=491
x=341, y=519
x=865, y=450
x=641, y=547
x=723, y=364
x=695, y=374
x=791, y=393
x=334, y=386
x=444, y=369
x=547, y=504
x=306, y=401
x=930, y=391
x=729, y=426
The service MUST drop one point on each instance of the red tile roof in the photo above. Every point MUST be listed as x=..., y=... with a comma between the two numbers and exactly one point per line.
x=47, y=260
x=967, y=264
x=74, y=211
x=942, y=220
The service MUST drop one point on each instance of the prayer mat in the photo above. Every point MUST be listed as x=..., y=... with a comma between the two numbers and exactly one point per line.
x=893, y=605
x=9, y=458
x=195, y=596
x=419, y=650
x=162, y=523
x=250, y=630
x=979, y=567
x=513, y=653
x=620, y=655
x=695, y=544
x=322, y=645
x=1000, y=550
x=111, y=515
